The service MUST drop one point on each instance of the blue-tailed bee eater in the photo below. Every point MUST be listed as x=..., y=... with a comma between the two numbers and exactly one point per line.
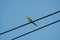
x=30, y=20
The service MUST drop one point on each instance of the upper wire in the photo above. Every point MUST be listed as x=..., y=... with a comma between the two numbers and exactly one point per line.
x=29, y=23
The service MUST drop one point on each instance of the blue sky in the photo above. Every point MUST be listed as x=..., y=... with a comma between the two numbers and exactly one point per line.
x=13, y=13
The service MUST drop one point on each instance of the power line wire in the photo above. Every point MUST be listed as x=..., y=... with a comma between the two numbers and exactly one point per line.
x=29, y=23
x=36, y=29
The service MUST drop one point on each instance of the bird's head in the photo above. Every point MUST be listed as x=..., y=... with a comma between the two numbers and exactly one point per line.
x=28, y=17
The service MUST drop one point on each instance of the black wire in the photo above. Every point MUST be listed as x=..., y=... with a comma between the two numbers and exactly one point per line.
x=30, y=22
x=36, y=29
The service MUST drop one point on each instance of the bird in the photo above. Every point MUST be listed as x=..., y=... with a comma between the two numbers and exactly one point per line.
x=30, y=20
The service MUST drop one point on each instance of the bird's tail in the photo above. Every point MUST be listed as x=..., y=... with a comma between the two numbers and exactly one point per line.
x=35, y=24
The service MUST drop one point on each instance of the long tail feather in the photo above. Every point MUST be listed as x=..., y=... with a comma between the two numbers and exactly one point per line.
x=35, y=24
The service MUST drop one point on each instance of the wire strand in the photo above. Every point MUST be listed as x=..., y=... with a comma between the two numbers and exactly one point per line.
x=29, y=23
x=36, y=29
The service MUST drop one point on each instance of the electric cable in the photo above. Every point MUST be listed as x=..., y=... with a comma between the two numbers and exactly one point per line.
x=36, y=29
x=29, y=23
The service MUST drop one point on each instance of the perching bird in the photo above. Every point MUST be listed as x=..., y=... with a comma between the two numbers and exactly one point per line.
x=30, y=20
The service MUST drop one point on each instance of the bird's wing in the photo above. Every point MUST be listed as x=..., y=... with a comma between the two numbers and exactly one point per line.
x=29, y=19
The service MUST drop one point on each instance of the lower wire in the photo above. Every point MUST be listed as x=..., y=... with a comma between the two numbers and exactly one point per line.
x=36, y=29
